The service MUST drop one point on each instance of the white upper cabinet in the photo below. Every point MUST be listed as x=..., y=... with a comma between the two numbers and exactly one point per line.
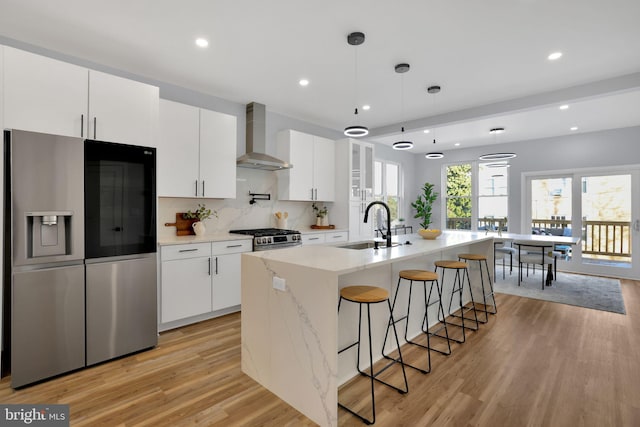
x=218, y=135
x=178, y=149
x=312, y=175
x=196, y=152
x=324, y=158
x=44, y=95
x=122, y=110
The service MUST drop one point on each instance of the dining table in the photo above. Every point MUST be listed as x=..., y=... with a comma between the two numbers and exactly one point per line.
x=537, y=240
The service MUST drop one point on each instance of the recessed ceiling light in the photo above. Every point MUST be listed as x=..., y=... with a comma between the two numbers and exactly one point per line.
x=303, y=82
x=457, y=144
x=426, y=131
x=554, y=56
x=574, y=128
x=200, y=42
x=434, y=155
x=564, y=107
x=366, y=107
x=496, y=131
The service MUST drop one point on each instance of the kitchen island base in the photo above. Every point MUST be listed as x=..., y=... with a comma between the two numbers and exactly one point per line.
x=291, y=330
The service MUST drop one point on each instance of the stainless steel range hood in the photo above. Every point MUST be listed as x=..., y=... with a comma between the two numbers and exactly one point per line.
x=256, y=158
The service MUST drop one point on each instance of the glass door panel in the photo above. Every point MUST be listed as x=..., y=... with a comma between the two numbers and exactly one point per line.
x=606, y=220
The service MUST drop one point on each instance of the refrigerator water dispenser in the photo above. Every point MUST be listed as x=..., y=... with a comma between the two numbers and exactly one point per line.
x=48, y=233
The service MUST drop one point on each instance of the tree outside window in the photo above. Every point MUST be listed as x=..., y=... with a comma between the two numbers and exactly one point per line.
x=459, y=201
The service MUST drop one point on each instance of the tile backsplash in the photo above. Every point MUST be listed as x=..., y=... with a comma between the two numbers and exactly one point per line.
x=238, y=213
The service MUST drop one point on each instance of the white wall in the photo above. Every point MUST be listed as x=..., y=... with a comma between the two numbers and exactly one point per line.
x=585, y=150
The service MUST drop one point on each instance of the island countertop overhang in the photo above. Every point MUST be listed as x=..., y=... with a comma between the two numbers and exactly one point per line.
x=342, y=261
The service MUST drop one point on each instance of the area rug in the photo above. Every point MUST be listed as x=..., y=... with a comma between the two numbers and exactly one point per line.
x=599, y=293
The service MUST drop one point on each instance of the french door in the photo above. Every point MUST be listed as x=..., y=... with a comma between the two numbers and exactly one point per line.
x=601, y=206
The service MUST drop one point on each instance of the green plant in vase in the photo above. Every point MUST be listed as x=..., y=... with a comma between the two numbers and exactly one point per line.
x=423, y=206
x=200, y=215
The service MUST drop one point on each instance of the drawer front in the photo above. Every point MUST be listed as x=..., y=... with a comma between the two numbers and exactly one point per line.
x=185, y=251
x=342, y=236
x=231, y=247
x=313, y=239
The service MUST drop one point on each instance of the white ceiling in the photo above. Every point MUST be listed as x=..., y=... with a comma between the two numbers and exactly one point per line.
x=490, y=57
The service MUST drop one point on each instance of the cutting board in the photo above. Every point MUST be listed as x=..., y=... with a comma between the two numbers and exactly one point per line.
x=183, y=226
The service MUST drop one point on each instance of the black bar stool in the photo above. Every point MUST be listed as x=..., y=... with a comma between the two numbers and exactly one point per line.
x=482, y=258
x=370, y=295
x=424, y=277
x=458, y=286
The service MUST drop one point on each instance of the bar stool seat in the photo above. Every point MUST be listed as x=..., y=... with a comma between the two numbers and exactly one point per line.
x=418, y=275
x=458, y=287
x=483, y=258
x=450, y=264
x=364, y=294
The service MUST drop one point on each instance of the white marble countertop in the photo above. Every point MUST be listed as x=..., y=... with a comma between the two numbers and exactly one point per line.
x=341, y=261
x=185, y=240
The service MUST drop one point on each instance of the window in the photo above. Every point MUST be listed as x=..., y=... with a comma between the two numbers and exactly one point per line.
x=387, y=187
x=493, y=196
x=477, y=196
x=459, y=197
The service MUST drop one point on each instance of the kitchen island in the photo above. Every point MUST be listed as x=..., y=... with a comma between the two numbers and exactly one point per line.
x=291, y=330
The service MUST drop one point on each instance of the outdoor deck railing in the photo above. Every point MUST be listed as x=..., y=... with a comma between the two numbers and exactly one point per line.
x=607, y=238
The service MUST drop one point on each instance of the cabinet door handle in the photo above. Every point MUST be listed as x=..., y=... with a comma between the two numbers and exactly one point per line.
x=81, y=125
x=216, y=265
x=203, y=188
x=196, y=188
x=316, y=194
x=187, y=250
x=337, y=237
x=234, y=246
x=209, y=264
x=314, y=238
x=312, y=194
x=95, y=121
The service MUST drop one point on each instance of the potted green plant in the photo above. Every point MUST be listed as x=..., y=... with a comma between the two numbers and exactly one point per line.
x=200, y=215
x=423, y=206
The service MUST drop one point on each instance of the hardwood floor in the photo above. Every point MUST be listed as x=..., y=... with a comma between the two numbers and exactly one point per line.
x=535, y=363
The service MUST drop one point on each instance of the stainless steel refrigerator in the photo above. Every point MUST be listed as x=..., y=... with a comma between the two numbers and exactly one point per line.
x=80, y=220
x=45, y=197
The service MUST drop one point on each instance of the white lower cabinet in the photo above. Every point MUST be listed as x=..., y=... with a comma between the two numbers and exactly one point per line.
x=226, y=273
x=313, y=239
x=199, y=280
x=186, y=281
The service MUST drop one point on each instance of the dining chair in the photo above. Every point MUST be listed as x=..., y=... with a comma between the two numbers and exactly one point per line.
x=536, y=253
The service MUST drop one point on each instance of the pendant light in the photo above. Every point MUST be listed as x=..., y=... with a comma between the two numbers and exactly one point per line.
x=434, y=155
x=355, y=39
x=497, y=156
x=402, y=144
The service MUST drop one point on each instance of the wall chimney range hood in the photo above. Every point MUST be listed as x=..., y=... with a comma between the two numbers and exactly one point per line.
x=256, y=158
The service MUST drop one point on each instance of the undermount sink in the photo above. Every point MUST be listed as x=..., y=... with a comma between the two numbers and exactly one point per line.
x=366, y=245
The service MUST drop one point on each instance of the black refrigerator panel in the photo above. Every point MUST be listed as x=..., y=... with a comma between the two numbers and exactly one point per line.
x=120, y=199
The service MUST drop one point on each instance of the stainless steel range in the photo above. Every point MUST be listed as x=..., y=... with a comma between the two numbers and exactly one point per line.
x=272, y=238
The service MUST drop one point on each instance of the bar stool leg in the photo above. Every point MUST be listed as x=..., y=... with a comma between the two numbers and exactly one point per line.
x=458, y=286
x=425, y=323
x=371, y=374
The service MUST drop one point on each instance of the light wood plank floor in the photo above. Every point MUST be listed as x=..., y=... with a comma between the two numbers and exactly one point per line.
x=534, y=364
